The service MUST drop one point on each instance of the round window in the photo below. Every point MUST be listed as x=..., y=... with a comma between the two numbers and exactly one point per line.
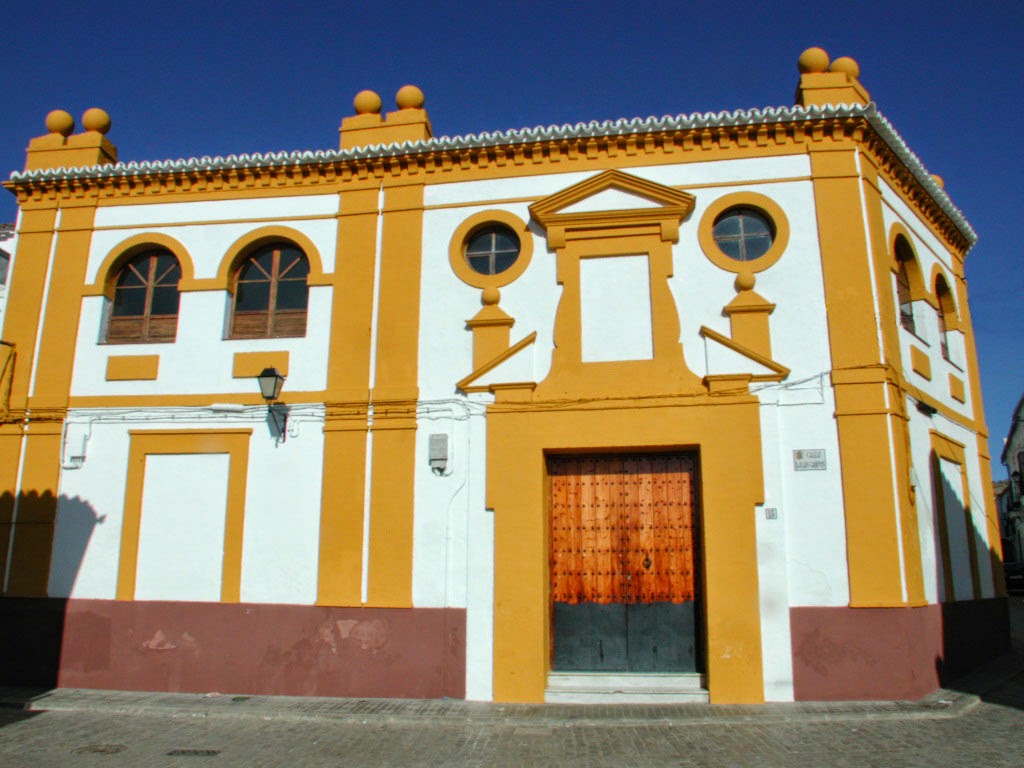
x=743, y=234
x=492, y=250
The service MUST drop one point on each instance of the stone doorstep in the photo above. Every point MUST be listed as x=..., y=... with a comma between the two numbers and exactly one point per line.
x=601, y=688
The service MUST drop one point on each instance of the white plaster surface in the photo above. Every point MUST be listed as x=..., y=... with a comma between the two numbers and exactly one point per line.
x=9, y=247
x=928, y=247
x=921, y=427
x=453, y=539
x=772, y=572
x=720, y=359
x=518, y=368
x=281, y=541
x=953, y=503
x=446, y=344
x=181, y=532
x=156, y=214
x=813, y=499
x=90, y=511
x=207, y=244
x=282, y=511
x=615, y=308
x=201, y=359
x=610, y=200
x=682, y=174
x=798, y=326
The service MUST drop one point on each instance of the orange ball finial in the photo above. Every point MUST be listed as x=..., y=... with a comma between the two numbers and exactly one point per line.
x=745, y=280
x=939, y=180
x=846, y=65
x=367, y=103
x=812, y=60
x=97, y=120
x=59, y=121
x=409, y=97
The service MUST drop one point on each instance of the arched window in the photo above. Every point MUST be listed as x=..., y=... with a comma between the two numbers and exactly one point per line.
x=271, y=293
x=946, y=313
x=145, y=306
x=904, y=255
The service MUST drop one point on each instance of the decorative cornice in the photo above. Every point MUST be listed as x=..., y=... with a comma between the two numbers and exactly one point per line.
x=502, y=147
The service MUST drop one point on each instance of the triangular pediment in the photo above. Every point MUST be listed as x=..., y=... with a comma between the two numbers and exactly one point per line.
x=612, y=199
x=613, y=192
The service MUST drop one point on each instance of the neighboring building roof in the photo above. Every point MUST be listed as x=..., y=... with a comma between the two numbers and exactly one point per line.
x=999, y=487
x=6, y=232
x=1015, y=422
x=595, y=128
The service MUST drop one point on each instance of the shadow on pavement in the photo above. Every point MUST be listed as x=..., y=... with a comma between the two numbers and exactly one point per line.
x=12, y=715
x=1001, y=681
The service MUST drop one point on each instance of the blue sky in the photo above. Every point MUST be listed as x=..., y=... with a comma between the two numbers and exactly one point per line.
x=189, y=79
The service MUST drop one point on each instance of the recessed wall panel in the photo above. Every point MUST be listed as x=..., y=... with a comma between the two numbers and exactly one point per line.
x=181, y=533
x=615, y=309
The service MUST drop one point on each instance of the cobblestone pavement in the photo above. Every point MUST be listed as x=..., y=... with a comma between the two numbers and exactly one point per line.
x=979, y=723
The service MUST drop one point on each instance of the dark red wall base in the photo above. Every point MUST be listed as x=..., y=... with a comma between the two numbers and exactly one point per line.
x=847, y=654
x=242, y=648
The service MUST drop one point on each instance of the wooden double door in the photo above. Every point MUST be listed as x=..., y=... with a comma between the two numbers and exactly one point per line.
x=625, y=549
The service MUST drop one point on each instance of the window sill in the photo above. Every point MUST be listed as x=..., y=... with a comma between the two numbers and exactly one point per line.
x=124, y=342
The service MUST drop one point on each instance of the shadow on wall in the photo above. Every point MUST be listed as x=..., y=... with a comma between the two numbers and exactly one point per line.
x=975, y=630
x=32, y=624
x=908, y=651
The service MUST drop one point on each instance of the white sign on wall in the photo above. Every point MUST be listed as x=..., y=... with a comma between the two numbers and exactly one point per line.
x=809, y=459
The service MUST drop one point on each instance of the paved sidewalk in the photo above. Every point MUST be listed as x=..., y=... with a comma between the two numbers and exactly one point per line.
x=944, y=703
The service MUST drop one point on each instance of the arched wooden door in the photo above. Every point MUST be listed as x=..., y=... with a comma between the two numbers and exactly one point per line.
x=624, y=563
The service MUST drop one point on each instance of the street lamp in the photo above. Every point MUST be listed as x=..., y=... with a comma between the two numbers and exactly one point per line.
x=271, y=381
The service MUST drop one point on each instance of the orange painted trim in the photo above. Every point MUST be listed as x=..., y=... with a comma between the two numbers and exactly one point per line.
x=727, y=435
x=781, y=371
x=951, y=450
x=948, y=310
x=249, y=365
x=672, y=206
x=745, y=199
x=847, y=243
x=248, y=242
x=920, y=362
x=235, y=443
x=133, y=367
x=106, y=275
x=465, y=230
x=466, y=384
x=956, y=388
x=392, y=500
x=586, y=236
x=918, y=287
x=340, y=562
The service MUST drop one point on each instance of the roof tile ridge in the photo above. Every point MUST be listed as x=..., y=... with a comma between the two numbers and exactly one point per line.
x=580, y=129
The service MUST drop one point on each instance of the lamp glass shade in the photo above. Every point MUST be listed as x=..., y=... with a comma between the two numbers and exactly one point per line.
x=270, y=383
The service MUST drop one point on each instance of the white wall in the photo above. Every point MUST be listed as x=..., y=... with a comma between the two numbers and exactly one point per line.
x=181, y=530
x=453, y=541
x=200, y=360
x=282, y=508
x=930, y=254
x=921, y=427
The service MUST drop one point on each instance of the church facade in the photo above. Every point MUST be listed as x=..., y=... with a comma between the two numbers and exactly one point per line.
x=680, y=408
